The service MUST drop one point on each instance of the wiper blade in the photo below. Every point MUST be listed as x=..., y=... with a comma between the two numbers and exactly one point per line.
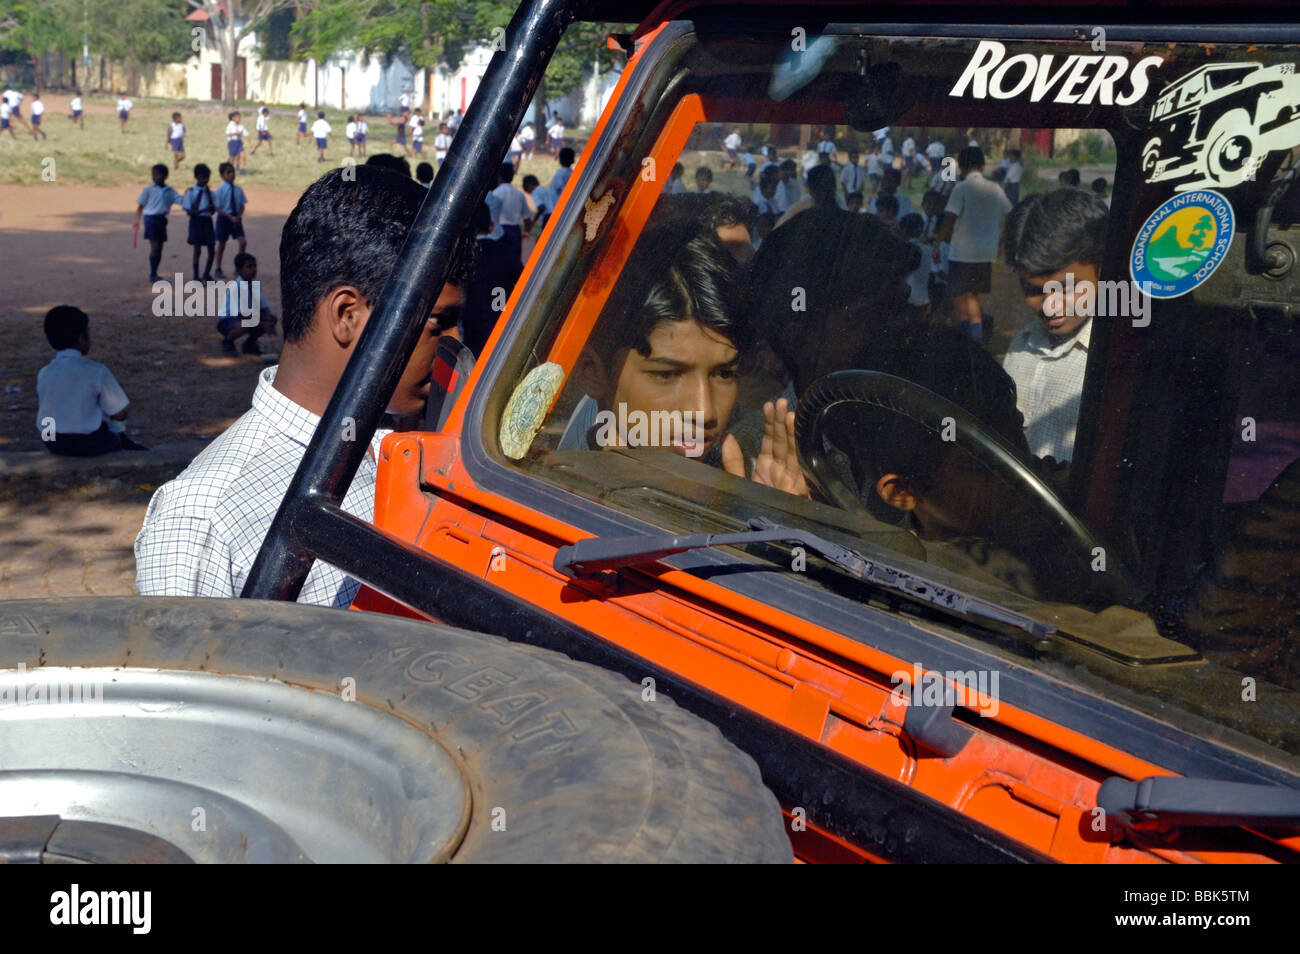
x=597, y=554
x=1163, y=802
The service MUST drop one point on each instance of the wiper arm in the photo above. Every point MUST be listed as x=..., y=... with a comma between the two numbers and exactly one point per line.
x=1163, y=802
x=596, y=554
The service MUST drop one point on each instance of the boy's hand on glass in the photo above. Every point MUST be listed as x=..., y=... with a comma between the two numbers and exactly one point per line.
x=777, y=465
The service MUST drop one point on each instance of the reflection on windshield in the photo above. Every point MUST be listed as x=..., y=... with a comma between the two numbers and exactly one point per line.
x=896, y=326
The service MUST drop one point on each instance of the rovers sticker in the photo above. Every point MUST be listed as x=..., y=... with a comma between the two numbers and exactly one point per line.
x=1182, y=243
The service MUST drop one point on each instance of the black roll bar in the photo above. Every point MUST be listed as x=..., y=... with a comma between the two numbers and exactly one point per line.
x=345, y=430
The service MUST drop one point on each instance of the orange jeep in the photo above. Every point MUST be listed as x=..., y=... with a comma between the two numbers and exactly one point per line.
x=1030, y=598
x=1084, y=656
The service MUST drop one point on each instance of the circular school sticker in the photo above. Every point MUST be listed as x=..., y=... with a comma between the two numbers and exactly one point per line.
x=1182, y=243
x=527, y=408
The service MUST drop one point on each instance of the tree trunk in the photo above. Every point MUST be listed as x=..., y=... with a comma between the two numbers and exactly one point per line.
x=74, y=73
x=38, y=71
x=229, y=54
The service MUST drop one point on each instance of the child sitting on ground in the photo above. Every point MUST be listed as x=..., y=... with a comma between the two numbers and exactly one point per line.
x=82, y=406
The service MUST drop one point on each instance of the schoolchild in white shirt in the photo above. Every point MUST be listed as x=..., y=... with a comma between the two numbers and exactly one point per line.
x=320, y=131
x=82, y=407
x=176, y=139
x=124, y=107
x=235, y=133
x=38, y=113
x=152, y=206
x=264, y=132
x=302, y=124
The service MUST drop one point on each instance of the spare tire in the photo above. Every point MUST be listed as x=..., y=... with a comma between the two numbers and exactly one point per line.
x=243, y=730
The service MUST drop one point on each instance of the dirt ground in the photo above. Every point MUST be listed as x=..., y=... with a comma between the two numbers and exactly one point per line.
x=63, y=244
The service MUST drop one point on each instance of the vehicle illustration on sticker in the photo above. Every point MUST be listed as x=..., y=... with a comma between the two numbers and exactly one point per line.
x=1215, y=125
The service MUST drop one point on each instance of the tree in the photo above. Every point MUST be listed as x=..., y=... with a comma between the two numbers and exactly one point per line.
x=36, y=27
x=140, y=32
x=438, y=31
x=227, y=32
x=582, y=44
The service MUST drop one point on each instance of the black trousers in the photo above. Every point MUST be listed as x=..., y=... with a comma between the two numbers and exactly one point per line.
x=102, y=441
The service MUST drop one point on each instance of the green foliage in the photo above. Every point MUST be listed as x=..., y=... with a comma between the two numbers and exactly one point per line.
x=141, y=31
x=435, y=31
x=34, y=27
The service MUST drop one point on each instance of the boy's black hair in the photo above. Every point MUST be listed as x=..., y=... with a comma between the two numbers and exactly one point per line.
x=506, y=172
x=851, y=270
x=243, y=258
x=390, y=163
x=1047, y=231
x=853, y=195
x=706, y=212
x=424, y=172
x=159, y=166
x=1099, y=185
x=232, y=114
x=221, y=169
x=911, y=225
x=821, y=185
x=886, y=203
x=566, y=157
x=64, y=326
x=348, y=231
x=201, y=171
x=320, y=114
x=970, y=157
x=891, y=174
x=705, y=170
x=174, y=115
x=677, y=271
x=530, y=179
x=952, y=366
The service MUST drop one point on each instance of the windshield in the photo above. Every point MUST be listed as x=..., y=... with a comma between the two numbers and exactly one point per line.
x=941, y=301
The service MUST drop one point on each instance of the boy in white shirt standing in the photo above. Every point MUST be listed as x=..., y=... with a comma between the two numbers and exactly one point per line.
x=302, y=123
x=1052, y=237
x=527, y=139
x=176, y=139
x=320, y=131
x=852, y=176
x=350, y=133
x=152, y=207
x=972, y=221
x=1015, y=172
x=556, y=134
x=264, y=131
x=82, y=406
x=732, y=145
x=417, y=136
x=441, y=143
x=124, y=107
x=363, y=128
x=38, y=110
x=6, y=118
x=235, y=133
x=76, y=110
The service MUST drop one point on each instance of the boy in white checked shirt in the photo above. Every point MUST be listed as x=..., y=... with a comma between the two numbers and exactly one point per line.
x=203, y=530
x=1053, y=237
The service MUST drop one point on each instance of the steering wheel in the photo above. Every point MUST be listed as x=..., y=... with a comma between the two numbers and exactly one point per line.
x=877, y=390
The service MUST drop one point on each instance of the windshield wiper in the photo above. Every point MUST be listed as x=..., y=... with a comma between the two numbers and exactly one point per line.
x=1163, y=802
x=596, y=554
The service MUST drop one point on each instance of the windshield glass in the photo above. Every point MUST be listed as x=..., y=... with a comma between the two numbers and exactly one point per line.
x=974, y=308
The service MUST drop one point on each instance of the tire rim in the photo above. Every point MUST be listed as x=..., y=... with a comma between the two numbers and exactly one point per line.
x=227, y=768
